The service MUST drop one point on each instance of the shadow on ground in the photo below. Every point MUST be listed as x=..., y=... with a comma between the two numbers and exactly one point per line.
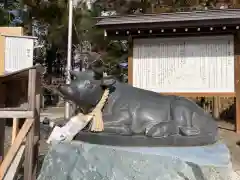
x=229, y=114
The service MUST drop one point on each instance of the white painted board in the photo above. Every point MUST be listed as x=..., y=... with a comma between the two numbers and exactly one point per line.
x=186, y=64
x=18, y=53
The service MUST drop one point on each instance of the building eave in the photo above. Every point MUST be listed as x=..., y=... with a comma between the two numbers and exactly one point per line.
x=170, y=19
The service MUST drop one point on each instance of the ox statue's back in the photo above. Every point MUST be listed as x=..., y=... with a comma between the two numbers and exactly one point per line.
x=137, y=117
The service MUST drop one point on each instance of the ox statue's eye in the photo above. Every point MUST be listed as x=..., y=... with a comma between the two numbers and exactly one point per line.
x=88, y=85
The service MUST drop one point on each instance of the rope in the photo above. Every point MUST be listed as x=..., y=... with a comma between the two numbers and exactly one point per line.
x=96, y=115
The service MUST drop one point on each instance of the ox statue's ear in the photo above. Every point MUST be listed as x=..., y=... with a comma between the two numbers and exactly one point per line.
x=108, y=81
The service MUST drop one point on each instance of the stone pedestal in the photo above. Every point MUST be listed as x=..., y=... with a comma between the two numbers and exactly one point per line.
x=82, y=161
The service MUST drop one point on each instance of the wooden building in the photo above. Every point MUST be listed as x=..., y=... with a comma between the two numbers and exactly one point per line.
x=186, y=53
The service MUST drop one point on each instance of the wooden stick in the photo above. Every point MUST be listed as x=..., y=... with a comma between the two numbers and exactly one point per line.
x=15, y=147
x=16, y=114
x=15, y=129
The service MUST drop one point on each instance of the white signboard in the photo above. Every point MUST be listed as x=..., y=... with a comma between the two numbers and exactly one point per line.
x=18, y=53
x=189, y=64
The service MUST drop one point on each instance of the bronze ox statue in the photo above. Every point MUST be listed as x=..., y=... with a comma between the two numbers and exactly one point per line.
x=137, y=117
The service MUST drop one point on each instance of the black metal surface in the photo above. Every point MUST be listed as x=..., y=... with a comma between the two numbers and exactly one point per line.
x=143, y=141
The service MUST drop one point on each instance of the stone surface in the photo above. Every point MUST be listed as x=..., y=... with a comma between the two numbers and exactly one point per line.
x=81, y=161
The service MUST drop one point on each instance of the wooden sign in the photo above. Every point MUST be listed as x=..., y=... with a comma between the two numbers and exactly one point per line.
x=16, y=53
x=192, y=64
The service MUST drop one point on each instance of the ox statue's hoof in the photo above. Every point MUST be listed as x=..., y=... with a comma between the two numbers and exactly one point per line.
x=189, y=131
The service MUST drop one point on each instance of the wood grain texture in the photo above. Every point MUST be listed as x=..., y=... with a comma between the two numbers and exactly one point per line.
x=237, y=89
x=29, y=152
x=15, y=165
x=2, y=54
x=237, y=79
x=130, y=70
x=13, y=31
x=15, y=147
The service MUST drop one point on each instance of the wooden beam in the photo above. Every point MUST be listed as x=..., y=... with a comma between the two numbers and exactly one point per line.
x=15, y=147
x=13, y=109
x=17, y=114
x=15, y=165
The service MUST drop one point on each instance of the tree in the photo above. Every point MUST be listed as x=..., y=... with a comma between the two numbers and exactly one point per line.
x=3, y=17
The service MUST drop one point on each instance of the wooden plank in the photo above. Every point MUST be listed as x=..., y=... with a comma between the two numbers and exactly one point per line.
x=13, y=109
x=17, y=114
x=237, y=79
x=15, y=129
x=15, y=147
x=29, y=163
x=2, y=54
x=14, y=167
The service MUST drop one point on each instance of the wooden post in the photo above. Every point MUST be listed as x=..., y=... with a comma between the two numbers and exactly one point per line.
x=37, y=124
x=130, y=61
x=15, y=129
x=237, y=79
x=28, y=163
x=2, y=121
x=237, y=91
x=216, y=107
x=130, y=70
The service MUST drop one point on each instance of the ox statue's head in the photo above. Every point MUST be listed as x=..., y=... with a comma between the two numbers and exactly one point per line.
x=86, y=88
